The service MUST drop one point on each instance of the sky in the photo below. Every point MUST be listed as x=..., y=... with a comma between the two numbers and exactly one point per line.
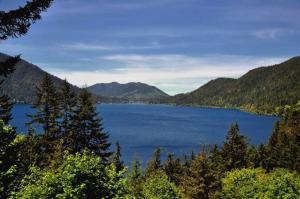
x=176, y=45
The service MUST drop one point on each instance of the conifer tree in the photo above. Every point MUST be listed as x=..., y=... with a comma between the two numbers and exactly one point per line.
x=9, y=150
x=87, y=128
x=135, y=179
x=6, y=68
x=154, y=163
x=196, y=183
x=68, y=102
x=173, y=168
x=117, y=160
x=47, y=115
x=234, y=150
x=17, y=22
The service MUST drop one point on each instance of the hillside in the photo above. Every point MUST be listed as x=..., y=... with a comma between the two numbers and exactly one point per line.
x=21, y=85
x=130, y=91
x=260, y=90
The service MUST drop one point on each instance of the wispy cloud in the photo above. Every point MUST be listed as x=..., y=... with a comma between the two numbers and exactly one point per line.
x=99, y=47
x=271, y=33
x=172, y=73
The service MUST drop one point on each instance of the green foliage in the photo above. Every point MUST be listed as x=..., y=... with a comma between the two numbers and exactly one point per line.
x=47, y=115
x=196, y=182
x=16, y=23
x=79, y=176
x=173, y=169
x=255, y=183
x=10, y=171
x=116, y=159
x=284, y=143
x=87, y=130
x=260, y=90
x=154, y=164
x=135, y=179
x=234, y=149
x=158, y=186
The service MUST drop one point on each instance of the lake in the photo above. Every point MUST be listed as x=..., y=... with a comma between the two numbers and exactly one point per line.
x=140, y=128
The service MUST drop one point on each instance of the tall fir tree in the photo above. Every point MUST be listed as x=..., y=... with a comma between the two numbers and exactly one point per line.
x=234, y=149
x=196, y=182
x=154, y=164
x=117, y=158
x=87, y=128
x=135, y=179
x=173, y=168
x=47, y=115
x=68, y=100
x=6, y=68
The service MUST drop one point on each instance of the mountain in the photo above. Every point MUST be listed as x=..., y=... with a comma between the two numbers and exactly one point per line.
x=131, y=91
x=21, y=84
x=260, y=90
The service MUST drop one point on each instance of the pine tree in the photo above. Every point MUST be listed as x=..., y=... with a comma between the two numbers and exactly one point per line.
x=9, y=149
x=135, y=178
x=87, y=130
x=234, y=150
x=47, y=115
x=196, y=183
x=173, y=169
x=17, y=22
x=68, y=102
x=154, y=164
x=117, y=158
x=6, y=68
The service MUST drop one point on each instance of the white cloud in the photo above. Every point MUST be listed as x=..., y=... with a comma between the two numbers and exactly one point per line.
x=99, y=47
x=171, y=73
x=271, y=33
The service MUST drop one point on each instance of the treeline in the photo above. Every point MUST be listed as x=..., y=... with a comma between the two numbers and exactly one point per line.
x=71, y=158
x=261, y=90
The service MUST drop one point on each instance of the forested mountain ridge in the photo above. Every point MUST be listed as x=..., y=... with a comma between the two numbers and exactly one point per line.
x=20, y=86
x=260, y=90
x=130, y=91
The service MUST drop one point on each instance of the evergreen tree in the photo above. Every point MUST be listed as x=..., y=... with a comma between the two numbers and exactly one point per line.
x=47, y=115
x=196, y=183
x=68, y=102
x=87, y=130
x=234, y=150
x=173, y=169
x=154, y=163
x=117, y=158
x=17, y=22
x=135, y=179
x=6, y=68
x=9, y=159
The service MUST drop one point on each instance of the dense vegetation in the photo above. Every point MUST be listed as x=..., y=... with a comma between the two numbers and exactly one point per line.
x=260, y=90
x=72, y=158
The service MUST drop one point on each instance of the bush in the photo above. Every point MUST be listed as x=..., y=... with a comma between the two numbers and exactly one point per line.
x=256, y=183
x=79, y=176
x=158, y=186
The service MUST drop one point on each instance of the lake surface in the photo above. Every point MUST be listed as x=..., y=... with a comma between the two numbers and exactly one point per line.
x=141, y=128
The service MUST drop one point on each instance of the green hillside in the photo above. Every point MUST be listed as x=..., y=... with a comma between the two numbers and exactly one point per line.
x=260, y=90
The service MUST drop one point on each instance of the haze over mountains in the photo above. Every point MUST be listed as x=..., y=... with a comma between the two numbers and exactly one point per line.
x=21, y=86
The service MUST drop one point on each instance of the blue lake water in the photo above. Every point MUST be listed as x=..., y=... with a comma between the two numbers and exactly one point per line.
x=141, y=128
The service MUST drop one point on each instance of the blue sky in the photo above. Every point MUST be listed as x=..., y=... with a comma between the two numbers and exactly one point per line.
x=177, y=45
